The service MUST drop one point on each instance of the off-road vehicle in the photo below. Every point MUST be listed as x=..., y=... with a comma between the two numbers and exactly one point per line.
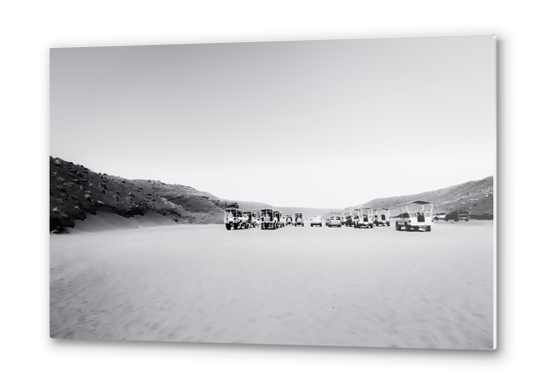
x=289, y=220
x=382, y=217
x=235, y=219
x=457, y=215
x=335, y=221
x=299, y=220
x=364, y=218
x=316, y=221
x=267, y=219
x=414, y=216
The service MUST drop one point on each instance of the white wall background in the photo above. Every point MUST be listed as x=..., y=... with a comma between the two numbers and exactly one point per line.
x=29, y=28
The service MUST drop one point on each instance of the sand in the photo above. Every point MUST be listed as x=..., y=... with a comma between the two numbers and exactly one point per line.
x=292, y=286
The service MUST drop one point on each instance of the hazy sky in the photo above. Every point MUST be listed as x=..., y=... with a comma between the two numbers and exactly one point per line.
x=307, y=123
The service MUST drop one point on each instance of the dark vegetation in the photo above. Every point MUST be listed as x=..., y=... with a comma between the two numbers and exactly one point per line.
x=76, y=191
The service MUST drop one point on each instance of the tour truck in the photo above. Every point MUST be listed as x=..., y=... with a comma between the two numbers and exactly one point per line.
x=364, y=218
x=282, y=220
x=278, y=217
x=252, y=220
x=235, y=219
x=382, y=217
x=347, y=218
x=289, y=220
x=299, y=219
x=267, y=219
x=414, y=216
x=354, y=217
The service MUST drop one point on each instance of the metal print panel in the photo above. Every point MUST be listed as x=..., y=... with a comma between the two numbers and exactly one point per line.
x=325, y=193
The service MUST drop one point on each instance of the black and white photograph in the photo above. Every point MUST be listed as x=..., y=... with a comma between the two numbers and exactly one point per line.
x=335, y=192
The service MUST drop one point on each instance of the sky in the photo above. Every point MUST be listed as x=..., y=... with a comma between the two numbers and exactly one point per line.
x=329, y=123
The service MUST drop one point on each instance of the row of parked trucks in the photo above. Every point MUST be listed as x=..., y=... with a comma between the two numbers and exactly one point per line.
x=364, y=218
x=412, y=216
x=273, y=219
x=234, y=218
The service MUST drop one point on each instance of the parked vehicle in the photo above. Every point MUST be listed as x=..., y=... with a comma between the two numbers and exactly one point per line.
x=439, y=216
x=235, y=219
x=347, y=218
x=457, y=215
x=279, y=219
x=335, y=221
x=289, y=220
x=415, y=215
x=267, y=219
x=299, y=219
x=316, y=221
x=252, y=220
x=355, y=217
x=382, y=217
x=364, y=218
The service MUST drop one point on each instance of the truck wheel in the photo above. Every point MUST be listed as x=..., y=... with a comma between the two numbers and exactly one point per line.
x=228, y=227
x=408, y=228
x=428, y=229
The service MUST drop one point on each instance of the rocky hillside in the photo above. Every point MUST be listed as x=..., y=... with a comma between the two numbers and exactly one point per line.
x=476, y=197
x=76, y=191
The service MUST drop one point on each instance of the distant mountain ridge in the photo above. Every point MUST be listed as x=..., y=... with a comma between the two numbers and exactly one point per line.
x=474, y=196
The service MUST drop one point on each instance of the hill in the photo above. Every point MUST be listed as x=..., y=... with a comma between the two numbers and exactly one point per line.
x=76, y=191
x=252, y=206
x=475, y=197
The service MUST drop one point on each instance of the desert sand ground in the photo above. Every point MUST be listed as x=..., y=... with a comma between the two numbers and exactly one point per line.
x=291, y=286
